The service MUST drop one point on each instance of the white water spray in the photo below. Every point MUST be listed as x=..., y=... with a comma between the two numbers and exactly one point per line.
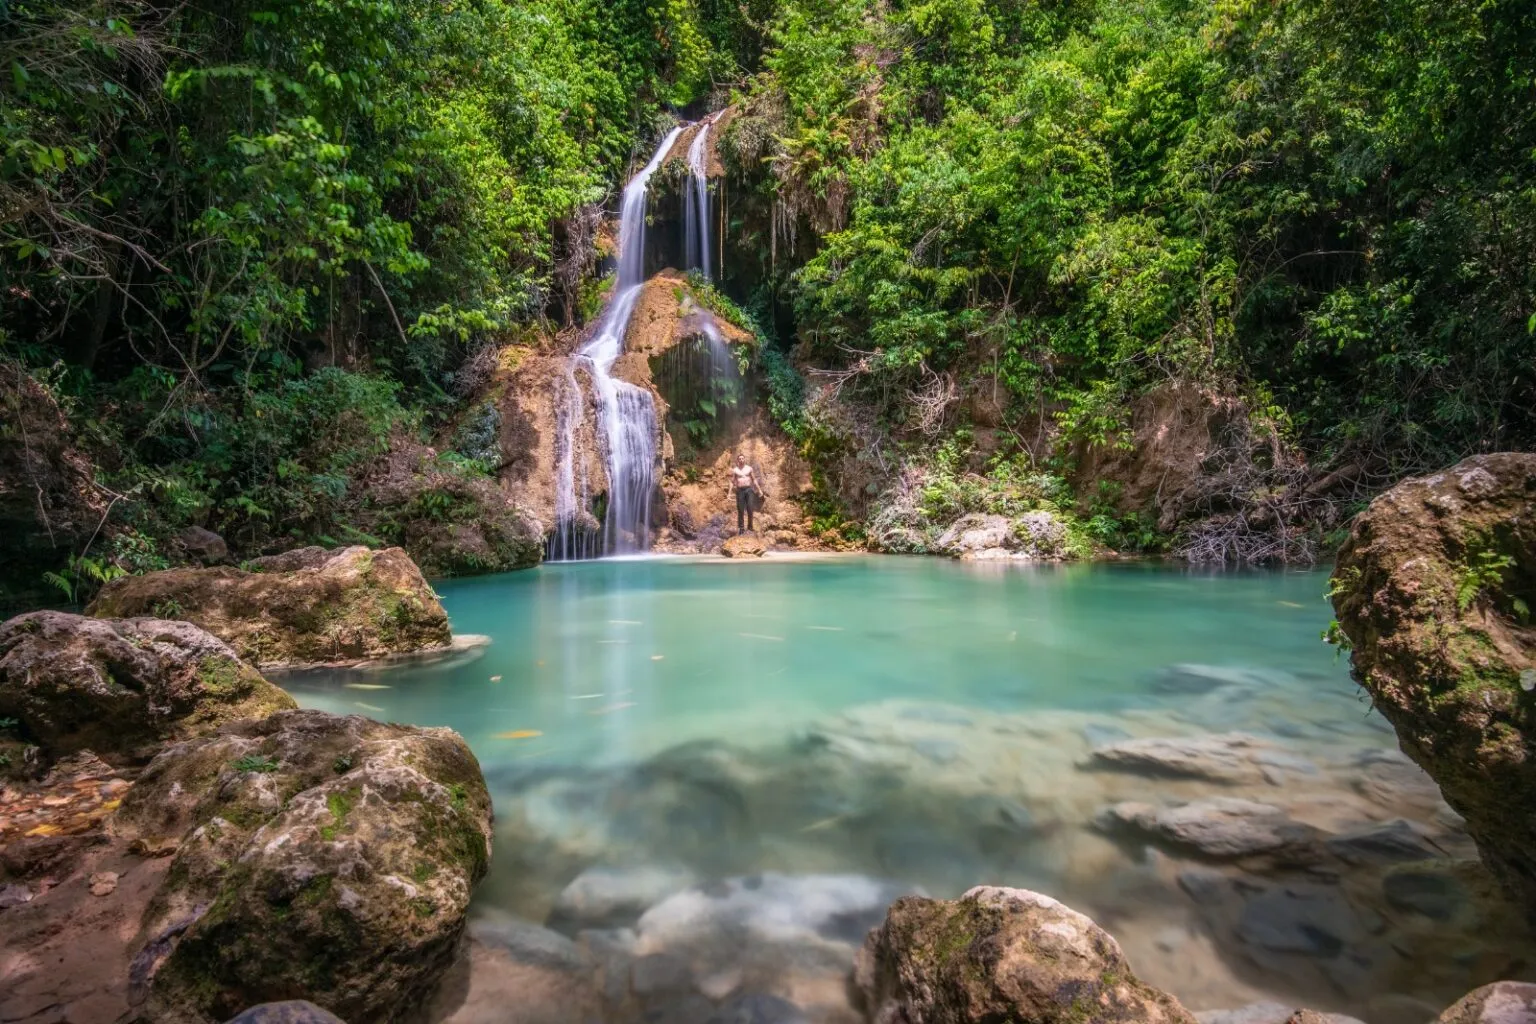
x=696, y=220
x=626, y=414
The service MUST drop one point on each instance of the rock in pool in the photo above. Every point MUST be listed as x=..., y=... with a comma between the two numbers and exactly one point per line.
x=305, y=607
x=998, y=955
x=744, y=545
x=1434, y=590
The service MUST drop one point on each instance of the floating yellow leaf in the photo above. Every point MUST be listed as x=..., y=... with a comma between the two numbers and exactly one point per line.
x=1289, y=604
x=45, y=830
x=366, y=686
x=519, y=734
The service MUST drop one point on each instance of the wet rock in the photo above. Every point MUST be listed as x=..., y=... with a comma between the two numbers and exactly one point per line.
x=1230, y=758
x=758, y=1008
x=121, y=687
x=293, y=1011
x=202, y=545
x=605, y=897
x=1503, y=1002
x=1312, y=920
x=1222, y=828
x=320, y=856
x=659, y=972
x=1271, y=1013
x=1001, y=954
x=1426, y=590
x=1434, y=894
x=1393, y=842
x=308, y=606
x=526, y=942
x=839, y=908
x=103, y=883
x=744, y=545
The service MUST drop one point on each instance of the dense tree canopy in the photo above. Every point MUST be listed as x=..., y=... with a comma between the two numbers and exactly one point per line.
x=1325, y=210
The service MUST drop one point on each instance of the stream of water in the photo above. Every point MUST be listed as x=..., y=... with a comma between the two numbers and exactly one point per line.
x=736, y=766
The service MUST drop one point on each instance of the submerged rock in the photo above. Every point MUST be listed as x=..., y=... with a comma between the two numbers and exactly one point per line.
x=292, y=1011
x=1503, y=1002
x=319, y=856
x=1222, y=828
x=309, y=606
x=1230, y=758
x=121, y=687
x=1434, y=591
x=1001, y=954
x=744, y=545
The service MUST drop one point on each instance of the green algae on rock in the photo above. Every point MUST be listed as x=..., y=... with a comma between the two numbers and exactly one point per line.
x=321, y=857
x=309, y=606
x=121, y=687
x=1433, y=592
x=1002, y=954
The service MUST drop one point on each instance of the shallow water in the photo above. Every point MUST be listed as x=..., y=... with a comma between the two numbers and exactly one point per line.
x=858, y=727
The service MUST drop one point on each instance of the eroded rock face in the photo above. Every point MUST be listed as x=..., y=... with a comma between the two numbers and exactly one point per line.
x=1001, y=954
x=120, y=687
x=320, y=856
x=308, y=606
x=1434, y=591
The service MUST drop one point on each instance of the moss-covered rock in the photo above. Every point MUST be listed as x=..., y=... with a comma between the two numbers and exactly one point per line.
x=121, y=687
x=1434, y=591
x=1001, y=955
x=310, y=606
x=320, y=857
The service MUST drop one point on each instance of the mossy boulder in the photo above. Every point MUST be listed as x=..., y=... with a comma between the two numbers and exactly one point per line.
x=309, y=606
x=1001, y=955
x=1433, y=592
x=122, y=687
x=318, y=856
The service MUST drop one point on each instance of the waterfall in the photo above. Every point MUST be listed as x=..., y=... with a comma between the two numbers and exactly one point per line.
x=696, y=220
x=626, y=419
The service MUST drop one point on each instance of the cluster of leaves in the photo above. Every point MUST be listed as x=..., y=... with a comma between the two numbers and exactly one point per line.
x=1331, y=205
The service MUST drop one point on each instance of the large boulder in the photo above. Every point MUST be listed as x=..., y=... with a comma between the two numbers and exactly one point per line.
x=1434, y=591
x=1001, y=955
x=309, y=606
x=744, y=545
x=1503, y=1002
x=318, y=856
x=121, y=687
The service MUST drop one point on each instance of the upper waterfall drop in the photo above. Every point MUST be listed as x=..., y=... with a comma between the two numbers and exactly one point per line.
x=626, y=414
x=696, y=219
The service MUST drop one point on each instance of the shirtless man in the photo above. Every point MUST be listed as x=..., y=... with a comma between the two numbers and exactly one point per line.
x=745, y=484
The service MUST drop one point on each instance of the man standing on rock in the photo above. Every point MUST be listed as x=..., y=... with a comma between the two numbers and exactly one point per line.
x=744, y=481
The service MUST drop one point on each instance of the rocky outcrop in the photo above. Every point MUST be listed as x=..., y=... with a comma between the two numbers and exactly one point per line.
x=292, y=1011
x=1503, y=1002
x=319, y=856
x=1001, y=954
x=310, y=606
x=120, y=687
x=451, y=523
x=1033, y=536
x=1434, y=592
x=744, y=545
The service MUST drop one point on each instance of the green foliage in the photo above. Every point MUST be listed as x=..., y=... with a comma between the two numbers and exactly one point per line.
x=1483, y=571
x=254, y=763
x=83, y=577
x=1328, y=205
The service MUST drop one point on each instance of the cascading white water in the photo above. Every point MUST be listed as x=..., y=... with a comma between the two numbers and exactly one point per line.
x=696, y=219
x=626, y=414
